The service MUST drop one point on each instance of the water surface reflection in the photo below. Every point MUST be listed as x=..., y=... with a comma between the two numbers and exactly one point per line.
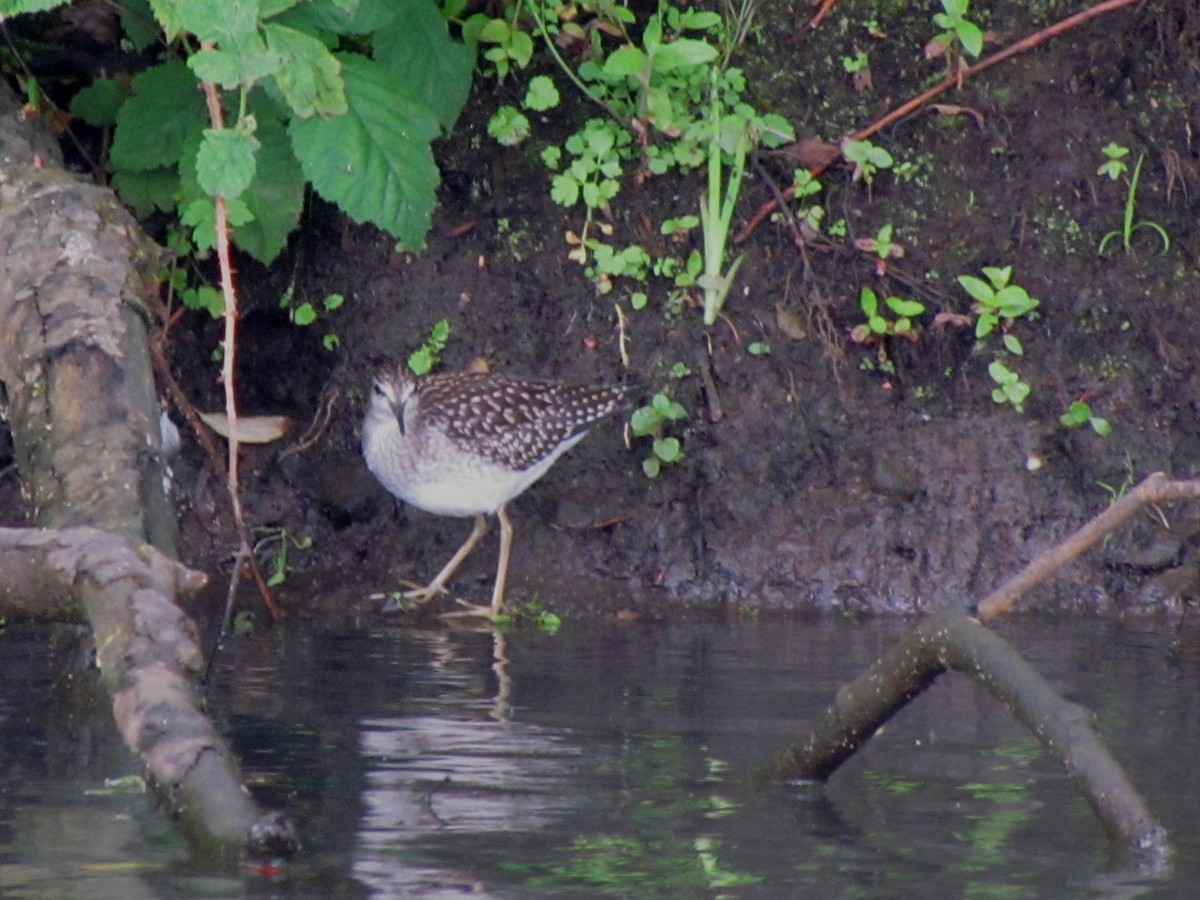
x=611, y=761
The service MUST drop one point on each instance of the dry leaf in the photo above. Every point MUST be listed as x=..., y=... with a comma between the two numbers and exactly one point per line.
x=251, y=429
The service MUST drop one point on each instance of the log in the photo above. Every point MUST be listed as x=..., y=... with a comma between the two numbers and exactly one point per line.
x=75, y=277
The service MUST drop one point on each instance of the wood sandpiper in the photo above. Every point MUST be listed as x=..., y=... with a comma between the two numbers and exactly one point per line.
x=466, y=444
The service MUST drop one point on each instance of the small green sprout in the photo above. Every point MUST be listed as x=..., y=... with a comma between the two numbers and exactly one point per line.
x=1011, y=388
x=1114, y=164
x=866, y=158
x=1080, y=413
x=957, y=29
x=877, y=324
x=651, y=421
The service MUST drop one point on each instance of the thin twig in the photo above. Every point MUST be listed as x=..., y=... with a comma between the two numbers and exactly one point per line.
x=1154, y=489
x=952, y=80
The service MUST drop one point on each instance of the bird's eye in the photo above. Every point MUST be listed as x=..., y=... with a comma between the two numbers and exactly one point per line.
x=378, y=388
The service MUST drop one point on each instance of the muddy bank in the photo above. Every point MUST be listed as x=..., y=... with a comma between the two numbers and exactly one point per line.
x=829, y=482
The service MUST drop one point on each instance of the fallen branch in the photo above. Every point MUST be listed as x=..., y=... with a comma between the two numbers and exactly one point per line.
x=950, y=640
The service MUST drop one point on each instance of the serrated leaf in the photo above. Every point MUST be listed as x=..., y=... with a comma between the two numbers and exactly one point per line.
x=147, y=191
x=99, y=102
x=564, y=189
x=416, y=46
x=235, y=69
x=229, y=23
x=541, y=95
x=225, y=161
x=375, y=161
x=310, y=78
x=341, y=17
x=275, y=197
x=165, y=111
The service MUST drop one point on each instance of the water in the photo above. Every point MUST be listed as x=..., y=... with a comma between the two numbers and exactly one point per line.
x=611, y=760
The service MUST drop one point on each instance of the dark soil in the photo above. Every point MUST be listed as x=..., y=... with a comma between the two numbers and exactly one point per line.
x=823, y=485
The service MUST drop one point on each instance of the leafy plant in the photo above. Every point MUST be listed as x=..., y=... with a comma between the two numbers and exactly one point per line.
x=877, y=324
x=651, y=421
x=1010, y=387
x=958, y=30
x=1080, y=413
x=1129, y=227
x=344, y=97
x=716, y=212
x=427, y=355
x=866, y=158
x=998, y=304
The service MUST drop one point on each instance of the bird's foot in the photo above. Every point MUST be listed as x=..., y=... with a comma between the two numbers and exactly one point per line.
x=423, y=594
x=470, y=611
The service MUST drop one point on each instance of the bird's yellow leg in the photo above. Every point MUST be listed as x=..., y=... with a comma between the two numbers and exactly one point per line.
x=473, y=610
x=438, y=585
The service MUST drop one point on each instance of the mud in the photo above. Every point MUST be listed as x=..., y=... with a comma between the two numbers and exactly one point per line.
x=824, y=485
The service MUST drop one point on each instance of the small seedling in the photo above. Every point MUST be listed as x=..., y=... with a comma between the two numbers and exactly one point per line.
x=280, y=568
x=1114, y=164
x=425, y=357
x=957, y=30
x=1080, y=413
x=307, y=313
x=1011, y=388
x=998, y=303
x=1129, y=227
x=651, y=421
x=877, y=325
x=758, y=348
x=866, y=158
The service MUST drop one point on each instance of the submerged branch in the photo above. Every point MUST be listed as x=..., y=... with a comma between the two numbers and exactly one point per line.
x=950, y=640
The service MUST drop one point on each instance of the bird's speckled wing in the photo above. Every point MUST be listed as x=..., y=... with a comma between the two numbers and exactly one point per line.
x=512, y=421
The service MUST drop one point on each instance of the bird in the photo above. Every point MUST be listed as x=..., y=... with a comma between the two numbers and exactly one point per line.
x=466, y=444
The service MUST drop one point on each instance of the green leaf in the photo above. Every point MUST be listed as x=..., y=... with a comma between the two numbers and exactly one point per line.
x=1100, y=426
x=970, y=36
x=374, y=162
x=986, y=325
x=152, y=125
x=651, y=466
x=997, y=276
x=149, y=190
x=1000, y=373
x=16, y=7
x=868, y=302
x=682, y=52
x=225, y=161
x=541, y=94
x=1013, y=345
x=304, y=314
x=99, y=102
x=231, y=70
x=564, y=189
x=668, y=449
x=902, y=307
x=644, y=421
x=342, y=17
x=977, y=288
x=310, y=77
x=625, y=62
x=275, y=196
x=417, y=48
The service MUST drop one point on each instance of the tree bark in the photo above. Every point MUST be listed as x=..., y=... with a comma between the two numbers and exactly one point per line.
x=75, y=270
